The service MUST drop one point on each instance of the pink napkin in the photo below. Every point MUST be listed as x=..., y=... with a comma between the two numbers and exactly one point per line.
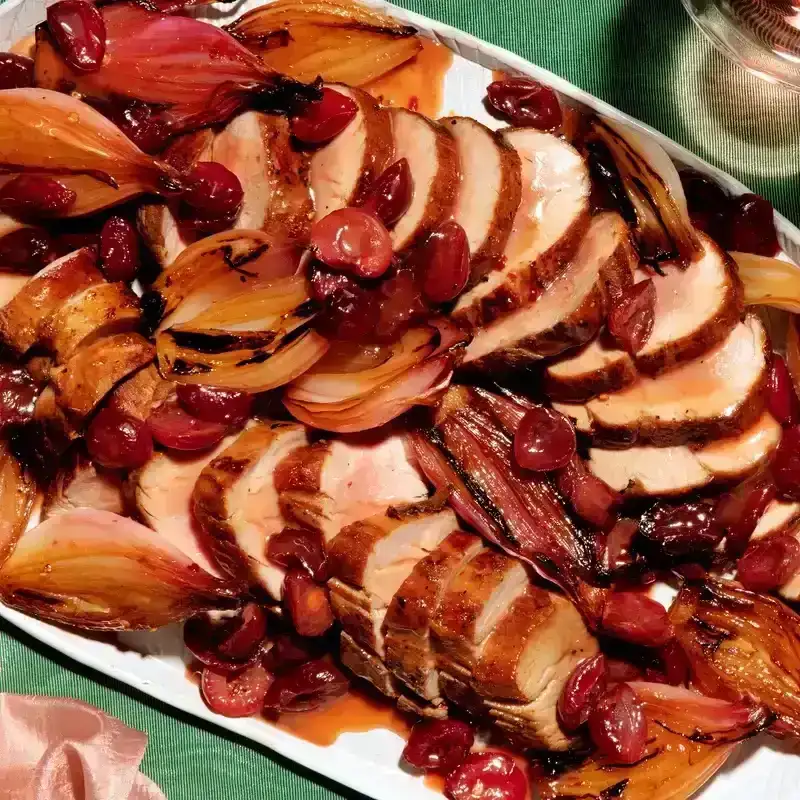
x=54, y=748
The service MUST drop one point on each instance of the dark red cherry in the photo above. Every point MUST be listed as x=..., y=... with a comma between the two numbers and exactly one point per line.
x=79, y=31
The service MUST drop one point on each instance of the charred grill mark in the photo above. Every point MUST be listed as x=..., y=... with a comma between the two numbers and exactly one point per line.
x=153, y=305
x=215, y=343
x=714, y=594
x=614, y=791
x=290, y=337
x=477, y=492
x=231, y=466
x=257, y=358
x=183, y=367
x=306, y=309
x=237, y=263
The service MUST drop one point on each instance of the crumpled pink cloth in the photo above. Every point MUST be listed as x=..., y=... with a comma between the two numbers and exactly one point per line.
x=55, y=748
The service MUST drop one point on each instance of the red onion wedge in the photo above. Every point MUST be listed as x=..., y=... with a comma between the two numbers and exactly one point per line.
x=57, y=136
x=17, y=495
x=96, y=570
x=741, y=644
x=196, y=73
x=417, y=370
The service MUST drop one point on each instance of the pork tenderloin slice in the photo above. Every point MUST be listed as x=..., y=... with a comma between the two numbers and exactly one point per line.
x=408, y=649
x=477, y=599
x=432, y=156
x=696, y=308
x=568, y=313
x=257, y=148
x=369, y=560
x=343, y=169
x=719, y=394
x=552, y=217
x=236, y=502
x=330, y=484
x=103, y=309
x=79, y=483
x=93, y=371
x=525, y=663
x=142, y=392
x=645, y=471
x=22, y=317
x=367, y=666
x=162, y=492
x=778, y=516
x=158, y=223
x=597, y=368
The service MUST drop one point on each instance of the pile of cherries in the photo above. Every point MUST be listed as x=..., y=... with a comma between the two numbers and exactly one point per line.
x=248, y=670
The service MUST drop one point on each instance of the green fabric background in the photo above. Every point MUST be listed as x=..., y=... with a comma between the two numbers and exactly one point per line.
x=646, y=58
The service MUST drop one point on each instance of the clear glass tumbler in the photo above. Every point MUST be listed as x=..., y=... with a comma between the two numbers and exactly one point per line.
x=763, y=36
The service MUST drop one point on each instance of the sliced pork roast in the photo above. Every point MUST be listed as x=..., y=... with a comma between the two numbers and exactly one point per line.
x=163, y=490
x=330, y=484
x=343, y=169
x=235, y=500
x=552, y=217
x=408, y=644
x=696, y=308
x=432, y=156
x=368, y=561
x=568, y=313
x=719, y=394
x=22, y=317
x=781, y=517
x=644, y=470
x=489, y=192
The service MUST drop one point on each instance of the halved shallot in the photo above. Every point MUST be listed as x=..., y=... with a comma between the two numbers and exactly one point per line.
x=96, y=570
x=769, y=281
x=17, y=494
x=653, y=188
x=344, y=43
x=250, y=342
x=191, y=73
x=338, y=396
x=56, y=135
x=741, y=644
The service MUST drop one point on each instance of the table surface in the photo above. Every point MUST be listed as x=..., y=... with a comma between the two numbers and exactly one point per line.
x=647, y=59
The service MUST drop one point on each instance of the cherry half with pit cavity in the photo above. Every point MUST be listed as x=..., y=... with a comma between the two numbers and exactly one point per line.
x=353, y=240
x=324, y=119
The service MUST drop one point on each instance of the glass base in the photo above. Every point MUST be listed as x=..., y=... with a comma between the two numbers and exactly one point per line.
x=753, y=34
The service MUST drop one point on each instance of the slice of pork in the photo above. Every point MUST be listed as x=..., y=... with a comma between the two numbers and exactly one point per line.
x=22, y=317
x=103, y=309
x=140, y=393
x=525, y=663
x=489, y=192
x=370, y=559
x=162, y=491
x=568, y=313
x=257, y=148
x=330, y=484
x=408, y=648
x=81, y=484
x=236, y=502
x=644, y=471
x=432, y=156
x=696, y=308
x=93, y=371
x=552, y=217
x=719, y=394
x=158, y=223
x=342, y=170
x=475, y=601
x=597, y=368
x=779, y=516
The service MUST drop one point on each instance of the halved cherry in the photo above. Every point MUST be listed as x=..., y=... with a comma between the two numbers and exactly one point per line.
x=324, y=119
x=487, y=776
x=230, y=644
x=390, y=195
x=444, y=260
x=211, y=404
x=545, y=440
x=353, y=240
x=172, y=427
x=240, y=695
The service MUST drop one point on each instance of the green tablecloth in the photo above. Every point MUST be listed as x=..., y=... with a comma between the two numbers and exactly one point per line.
x=646, y=58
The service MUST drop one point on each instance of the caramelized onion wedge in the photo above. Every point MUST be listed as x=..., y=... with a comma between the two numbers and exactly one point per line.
x=416, y=371
x=793, y=352
x=769, y=281
x=213, y=268
x=700, y=718
x=57, y=135
x=671, y=768
x=741, y=644
x=17, y=494
x=93, y=569
x=651, y=181
x=344, y=43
